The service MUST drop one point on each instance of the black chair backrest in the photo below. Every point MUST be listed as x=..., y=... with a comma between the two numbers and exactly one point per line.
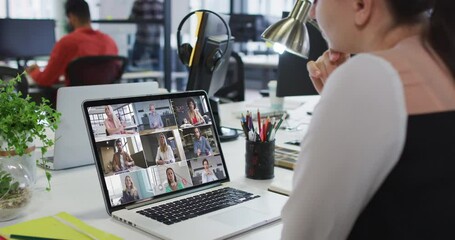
x=94, y=70
x=234, y=85
x=7, y=73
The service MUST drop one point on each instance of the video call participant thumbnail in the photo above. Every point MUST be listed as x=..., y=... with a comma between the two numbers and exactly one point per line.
x=121, y=160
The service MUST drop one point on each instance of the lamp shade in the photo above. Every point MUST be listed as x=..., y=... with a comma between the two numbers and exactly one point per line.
x=291, y=32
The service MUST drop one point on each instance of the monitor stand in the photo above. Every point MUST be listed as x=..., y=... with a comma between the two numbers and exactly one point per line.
x=225, y=134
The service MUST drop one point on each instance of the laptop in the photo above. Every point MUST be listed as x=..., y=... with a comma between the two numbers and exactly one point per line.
x=72, y=147
x=155, y=179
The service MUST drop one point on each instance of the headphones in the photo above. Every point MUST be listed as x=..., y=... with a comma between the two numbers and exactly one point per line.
x=215, y=58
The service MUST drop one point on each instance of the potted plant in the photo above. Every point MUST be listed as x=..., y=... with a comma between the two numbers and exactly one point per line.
x=22, y=122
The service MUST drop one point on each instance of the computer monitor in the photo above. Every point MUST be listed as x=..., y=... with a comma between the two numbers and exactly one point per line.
x=211, y=37
x=201, y=77
x=293, y=78
x=26, y=38
x=247, y=27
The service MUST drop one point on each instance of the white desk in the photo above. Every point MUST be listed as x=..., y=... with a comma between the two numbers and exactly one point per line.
x=77, y=190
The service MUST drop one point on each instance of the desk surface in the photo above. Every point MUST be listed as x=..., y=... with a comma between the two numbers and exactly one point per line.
x=77, y=190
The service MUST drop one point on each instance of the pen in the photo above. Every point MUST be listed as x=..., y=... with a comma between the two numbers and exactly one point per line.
x=259, y=122
x=281, y=120
x=23, y=237
x=251, y=121
x=270, y=130
x=265, y=129
x=272, y=137
x=245, y=130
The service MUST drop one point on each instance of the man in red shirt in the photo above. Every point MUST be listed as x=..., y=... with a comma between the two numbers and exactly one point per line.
x=83, y=41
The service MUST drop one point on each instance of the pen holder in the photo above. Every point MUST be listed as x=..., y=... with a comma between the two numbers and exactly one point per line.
x=260, y=160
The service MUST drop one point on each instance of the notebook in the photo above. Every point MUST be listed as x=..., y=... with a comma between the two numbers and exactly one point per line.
x=146, y=174
x=58, y=226
x=72, y=147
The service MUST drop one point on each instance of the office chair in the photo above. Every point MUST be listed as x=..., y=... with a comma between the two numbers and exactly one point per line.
x=8, y=73
x=94, y=70
x=234, y=85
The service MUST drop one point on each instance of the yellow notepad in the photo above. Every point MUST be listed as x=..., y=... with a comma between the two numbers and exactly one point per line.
x=59, y=226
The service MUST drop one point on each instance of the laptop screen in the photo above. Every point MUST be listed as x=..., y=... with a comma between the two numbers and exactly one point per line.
x=150, y=146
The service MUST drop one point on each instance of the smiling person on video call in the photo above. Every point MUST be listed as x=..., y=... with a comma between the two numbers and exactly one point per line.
x=121, y=159
x=164, y=154
x=130, y=193
x=207, y=174
x=193, y=113
x=377, y=159
x=112, y=123
x=83, y=41
x=172, y=182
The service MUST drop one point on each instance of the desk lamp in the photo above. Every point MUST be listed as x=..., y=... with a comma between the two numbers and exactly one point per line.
x=290, y=33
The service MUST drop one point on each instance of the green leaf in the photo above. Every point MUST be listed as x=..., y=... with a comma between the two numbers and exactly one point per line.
x=22, y=121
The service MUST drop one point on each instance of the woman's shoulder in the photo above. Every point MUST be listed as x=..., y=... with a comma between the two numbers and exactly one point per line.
x=363, y=71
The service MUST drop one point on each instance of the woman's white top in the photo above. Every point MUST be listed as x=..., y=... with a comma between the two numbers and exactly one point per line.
x=355, y=138
x=167, y=157
x=208, y=177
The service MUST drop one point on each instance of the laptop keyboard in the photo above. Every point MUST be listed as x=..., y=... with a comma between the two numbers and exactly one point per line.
x=198, y=205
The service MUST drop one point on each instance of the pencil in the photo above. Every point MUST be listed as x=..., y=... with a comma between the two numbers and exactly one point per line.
x=279, y=122
x=23, y=237
x=259, y=122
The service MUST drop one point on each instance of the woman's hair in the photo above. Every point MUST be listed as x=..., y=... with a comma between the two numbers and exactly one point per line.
x=163, y=147
x=108, y=107
x=205, y=160
x=441, y=31
x=131, y=180
x=175, y=176
x=190, y=100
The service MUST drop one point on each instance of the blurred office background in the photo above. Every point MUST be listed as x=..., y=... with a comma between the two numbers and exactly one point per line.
x=248, y=20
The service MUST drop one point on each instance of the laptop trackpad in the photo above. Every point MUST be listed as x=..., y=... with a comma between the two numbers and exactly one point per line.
x=249, y=217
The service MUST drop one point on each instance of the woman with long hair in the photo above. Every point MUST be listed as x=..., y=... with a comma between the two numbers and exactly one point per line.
x=173, y=183
x=193, y=113
x=130, y=193
x=112, y=123
x=164, y=154
x=207, y=173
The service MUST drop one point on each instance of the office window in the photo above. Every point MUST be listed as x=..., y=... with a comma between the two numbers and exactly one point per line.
x=213, y=5
x=265, y=7
x=97, y=119
x=269, y=7
x=31, y=9
x=137, y=147
x=126, y=114
x=2, y=8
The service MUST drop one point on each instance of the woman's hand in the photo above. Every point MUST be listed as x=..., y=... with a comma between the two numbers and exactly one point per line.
x=320, y=69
